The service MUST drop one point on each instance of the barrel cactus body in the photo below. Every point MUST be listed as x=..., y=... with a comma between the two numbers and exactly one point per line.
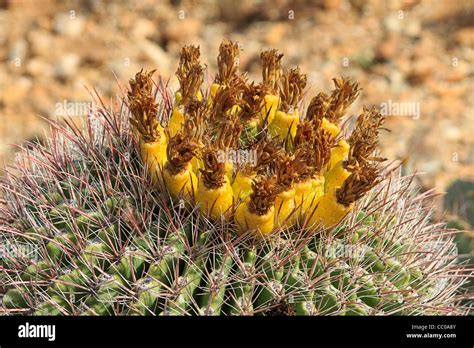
x=87, y=229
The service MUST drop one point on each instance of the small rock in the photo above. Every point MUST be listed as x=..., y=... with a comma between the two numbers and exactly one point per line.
x=18, y=50
x=143, y=28
x=68, y=24
x=452, y=133
x=38, y=68
x=412, y=28
x=331, y=4
x=40, y=42
x=397, y=82
x=182, y=30
x=67, y=66
x=388, y=48
x=421, y=70
x=17, y=91
x=465, y=36
x=393, y=22
x=276, y=33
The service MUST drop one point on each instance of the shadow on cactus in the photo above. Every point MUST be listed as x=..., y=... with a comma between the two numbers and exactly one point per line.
x=227, y=200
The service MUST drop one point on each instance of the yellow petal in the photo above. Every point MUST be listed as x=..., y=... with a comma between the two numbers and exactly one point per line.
x=330, y=127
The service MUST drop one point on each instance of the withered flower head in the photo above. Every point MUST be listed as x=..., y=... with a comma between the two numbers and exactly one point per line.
x=268, y=153
x=229, y=134
x=286, y=173
x=293, y=83
x=364, y=139
x=227, y=61
x=263, y=195
x=226, y=97
x=213, y=173
x=190, y=82
x=358, y=183
x=143, y=106
x=189, y=56
x=313, y=152
x=251, y=101
x=342, y=97
x=142, y=84
x=180, y=151
x=317, y=108
x=271, y=69
x=322, y=146
x=197, y=117
x=302, y=164
x=305, y=133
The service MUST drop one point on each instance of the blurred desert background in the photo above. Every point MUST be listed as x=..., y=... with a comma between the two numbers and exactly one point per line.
x=416, y=53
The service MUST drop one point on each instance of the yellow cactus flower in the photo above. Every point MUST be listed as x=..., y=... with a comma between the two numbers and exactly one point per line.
x=178, y=173
x=284, y=207
x=213, y=90
x=197, y=164
x=214, y=195
x=284, y=123
x=293, y=83
x=337, y=202
x=256, y=215
x=242, y=185
x=215, y=202
x=182, y=185
x=307, y=195
x=269, y=108
x=153, y=155
x=144, y=119
x=271, y=72
x=329, y=212
x=332, y=128
x=336, y=176
x=260, y=225
x=178, y=97
x=229, y=170
x=190, y=75
x=304, y=167
x=176, y=120
x=339, y=153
